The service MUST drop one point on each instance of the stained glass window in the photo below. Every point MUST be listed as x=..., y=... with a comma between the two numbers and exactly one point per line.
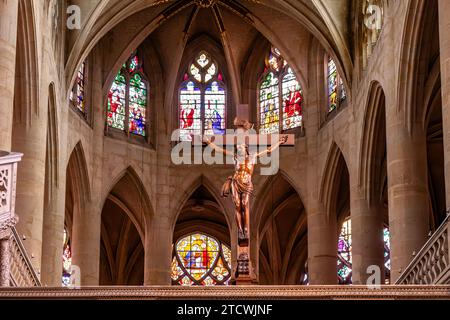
x=77, y=95
x=202, y=99
x=344, y=263
x=201, y=260
x=292, y=101
x=66, y=260
x=274, y=93
x=127, y=99
x=269, y=104
x=335, y=85
x=387, y=254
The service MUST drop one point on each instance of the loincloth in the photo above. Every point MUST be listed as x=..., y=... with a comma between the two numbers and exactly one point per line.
x=239, y=187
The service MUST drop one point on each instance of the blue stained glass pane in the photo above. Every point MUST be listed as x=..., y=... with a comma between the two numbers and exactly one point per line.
x=215, y=109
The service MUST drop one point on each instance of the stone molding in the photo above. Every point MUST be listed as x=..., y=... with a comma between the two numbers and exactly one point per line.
x=232, y=293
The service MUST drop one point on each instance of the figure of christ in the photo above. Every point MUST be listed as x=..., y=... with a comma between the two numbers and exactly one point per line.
x=240, y=185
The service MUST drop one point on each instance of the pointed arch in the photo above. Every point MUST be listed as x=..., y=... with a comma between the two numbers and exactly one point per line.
x=202, y=221
x=125, y=213
x=373, y=144
x=432, y=91
x=331, y=178
x=77, y=170
x=413, y=75
x=26, y=96
x=77, y=198
x=198, y=118
x=129, y=194
x=281, y=255
x=201, y=181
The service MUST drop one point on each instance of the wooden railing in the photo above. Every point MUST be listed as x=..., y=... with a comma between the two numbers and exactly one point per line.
x=22, y=271
x=431, y=265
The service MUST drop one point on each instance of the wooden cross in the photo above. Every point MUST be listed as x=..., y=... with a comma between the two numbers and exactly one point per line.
x=243, y=272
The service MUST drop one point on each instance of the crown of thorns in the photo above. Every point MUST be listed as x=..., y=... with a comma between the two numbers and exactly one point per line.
x=242, y=123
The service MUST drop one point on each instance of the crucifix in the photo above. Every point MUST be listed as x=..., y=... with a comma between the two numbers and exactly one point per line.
x=240, y=187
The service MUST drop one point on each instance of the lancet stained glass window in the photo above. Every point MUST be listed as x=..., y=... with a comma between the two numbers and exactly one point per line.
x=279, y=87
x=127, y=99
x=344, y=263
x=202, y=99
x=387, y=254
x=345, y=253
x=66, y=260
x=77, y=95
x=335, y=85
x=201, y=260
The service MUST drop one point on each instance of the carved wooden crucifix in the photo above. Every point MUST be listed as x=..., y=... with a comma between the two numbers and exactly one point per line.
x=248, y=147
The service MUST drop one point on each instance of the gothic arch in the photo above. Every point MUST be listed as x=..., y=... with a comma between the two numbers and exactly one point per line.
x=413, y=62
x=432, y=92
x=129, y=194
x=199, y=182
x=281, y=256
x=215, y=49
x=432, y=118
x=26, y=89
x=123, y=231
x=335, y=169
x=78, y=172
x=342, y=50
x=78, y=193
x=373, y=144
x=152, y=71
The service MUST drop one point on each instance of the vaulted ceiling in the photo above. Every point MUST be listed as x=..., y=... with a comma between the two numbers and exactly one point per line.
x=235, y=24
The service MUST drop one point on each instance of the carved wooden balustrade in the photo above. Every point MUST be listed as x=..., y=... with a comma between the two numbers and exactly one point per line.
x=431, y=266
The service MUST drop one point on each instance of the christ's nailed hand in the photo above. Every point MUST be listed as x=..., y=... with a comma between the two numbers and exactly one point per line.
x=284, y=139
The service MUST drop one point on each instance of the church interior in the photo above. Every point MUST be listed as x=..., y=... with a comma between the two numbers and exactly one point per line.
x=96, y=94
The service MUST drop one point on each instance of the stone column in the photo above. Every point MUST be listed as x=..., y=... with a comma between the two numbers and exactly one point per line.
x=444, y=34
x=31, y=141
x=322, y=248
x=367, y=237
x=409, y=207
x=86, y=244
x=52, y=239
x=158, y=252
x=8, y=38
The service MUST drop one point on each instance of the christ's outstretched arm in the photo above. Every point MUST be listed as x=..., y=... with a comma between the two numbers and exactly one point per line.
x=271, y=149
x=217, y=148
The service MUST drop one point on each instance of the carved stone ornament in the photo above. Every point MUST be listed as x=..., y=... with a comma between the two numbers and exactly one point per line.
x=9, y=223
x=243, y=264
